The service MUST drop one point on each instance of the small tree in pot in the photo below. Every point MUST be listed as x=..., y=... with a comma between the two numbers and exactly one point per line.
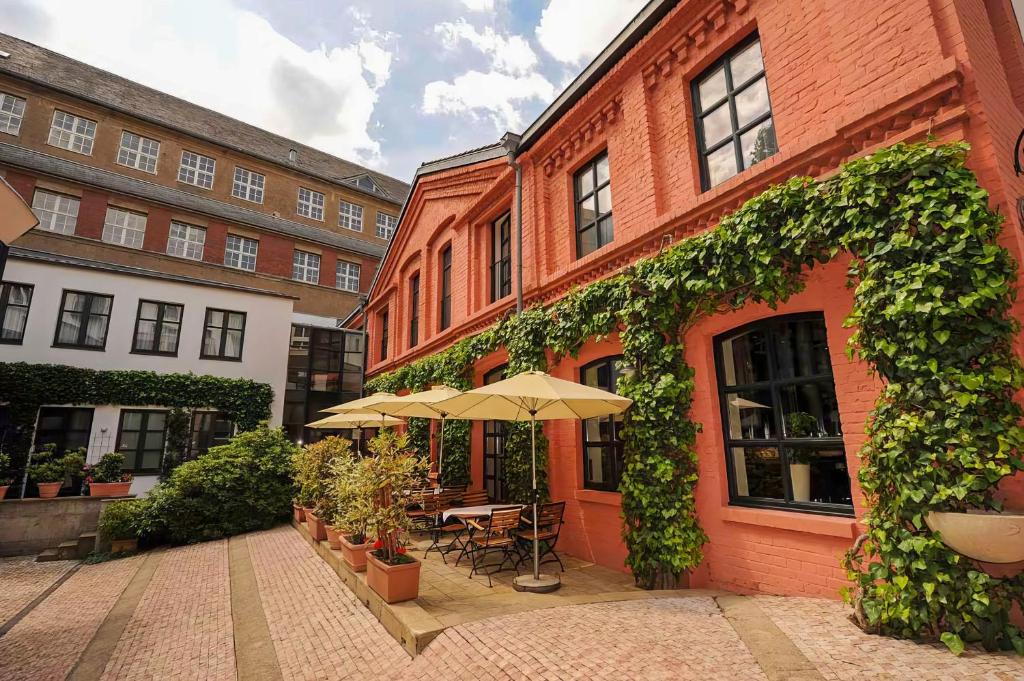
x=5, y=474
x=334, y=454
x=107, y=477
x=122, y=522
x=354, y=507
x=48, y=471
x=312, y=471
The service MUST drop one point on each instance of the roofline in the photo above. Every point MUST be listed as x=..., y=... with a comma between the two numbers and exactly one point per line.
x=627, y=39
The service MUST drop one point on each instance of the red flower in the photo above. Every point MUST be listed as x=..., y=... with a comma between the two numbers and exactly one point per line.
x=401, y=549
x=378, y=544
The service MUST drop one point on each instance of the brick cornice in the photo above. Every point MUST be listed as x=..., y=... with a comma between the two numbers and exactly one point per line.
x=580, y=138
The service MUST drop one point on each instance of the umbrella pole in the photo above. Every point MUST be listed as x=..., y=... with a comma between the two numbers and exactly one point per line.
x=533, y=460
x=440, y=452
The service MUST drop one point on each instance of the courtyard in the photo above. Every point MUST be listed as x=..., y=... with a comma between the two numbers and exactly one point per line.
x=265, y=606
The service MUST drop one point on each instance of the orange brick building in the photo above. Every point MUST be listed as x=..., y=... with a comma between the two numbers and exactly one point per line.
x=695, y=107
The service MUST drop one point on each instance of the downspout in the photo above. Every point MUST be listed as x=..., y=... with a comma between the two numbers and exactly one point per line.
x=511, y=143
x=366, y=341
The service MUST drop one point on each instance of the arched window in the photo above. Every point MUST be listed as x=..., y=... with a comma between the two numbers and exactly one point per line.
x=783, y=438
x=602, y=439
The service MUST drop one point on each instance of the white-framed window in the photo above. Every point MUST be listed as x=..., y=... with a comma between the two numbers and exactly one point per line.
x=196, y=169
x=306, y=267
x=124, y=227
x=347, y=276
x=138, y=152
x=386, y=225
x=12, y=110
x=56, y=212
x=240, y=252
x=186, y=241
x=72, y=132
x=311, y=204
x=248, y=185
x=350, y=216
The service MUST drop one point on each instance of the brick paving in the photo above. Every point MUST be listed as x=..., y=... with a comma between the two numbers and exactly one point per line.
x=23, y=580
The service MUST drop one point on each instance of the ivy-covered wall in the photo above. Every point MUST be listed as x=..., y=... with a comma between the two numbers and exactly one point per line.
x=932, y=292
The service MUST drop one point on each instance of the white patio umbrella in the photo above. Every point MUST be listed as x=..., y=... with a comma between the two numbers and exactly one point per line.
x=424, y=404
x=375, y=403
x=355, y=420
x=534, y=396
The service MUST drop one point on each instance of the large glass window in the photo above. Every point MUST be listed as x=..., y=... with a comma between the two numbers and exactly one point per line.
x=602, y=436
x=248, y=185
x=494, y=449
x=306, y=267
x=240, y=252
x=783, y=437
x=186, y=241
x=733, y=114
x=84, y=320
x=196, y=169
x=209, y=429
x=56, y=212
x=66, y=427
x=414, y=311
x=15, y=300
x=223, y=334
x=501, y=257
x=350, y=216
x=138, y=152
x=72, y=132
x=157, y=328
x=12, y=111
x=324, y=368
x=593, y=190
x=446, y=288
x=141, y=437
x=124, y=227
x=311, y=204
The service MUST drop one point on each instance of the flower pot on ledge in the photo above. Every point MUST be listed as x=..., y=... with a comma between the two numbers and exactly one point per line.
x=316, y=527
x=354, y=555
x=123, y=545
x=109, y=489
x=982, y=535
x=394, y=583
x=298, y=513
x=48, y=490
x=3, y=491
x=333, y=537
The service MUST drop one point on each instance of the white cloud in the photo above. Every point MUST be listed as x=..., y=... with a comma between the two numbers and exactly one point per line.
x=573, y=31
x=220, y=56
x=492, y=95
x=510, y=54
x=479, y=5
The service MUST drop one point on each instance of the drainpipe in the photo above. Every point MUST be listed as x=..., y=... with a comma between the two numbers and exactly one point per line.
x=362, y=329
x=510, y=141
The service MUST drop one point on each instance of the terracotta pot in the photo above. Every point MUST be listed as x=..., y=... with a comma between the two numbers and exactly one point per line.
x=122, y=545
x=355, y=554
x=109, y=489
x=394, y=583
x=985, y=536
x=3, y=491
x=333, y=536
x=48, y=490
x=316, y=527
x=299, y=513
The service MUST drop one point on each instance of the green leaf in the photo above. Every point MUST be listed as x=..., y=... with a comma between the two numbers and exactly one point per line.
x=953, y=642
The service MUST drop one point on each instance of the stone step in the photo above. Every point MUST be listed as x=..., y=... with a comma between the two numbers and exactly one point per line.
x=48, y=555
x=68, y=550
x=86, y=544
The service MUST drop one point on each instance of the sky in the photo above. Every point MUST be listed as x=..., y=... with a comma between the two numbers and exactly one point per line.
x=386, y=83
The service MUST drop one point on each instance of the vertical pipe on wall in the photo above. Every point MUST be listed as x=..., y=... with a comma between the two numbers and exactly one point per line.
x=511, y=143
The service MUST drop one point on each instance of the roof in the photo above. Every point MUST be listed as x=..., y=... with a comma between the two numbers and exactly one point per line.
x=72, y=261
x=468, y=157
x=45, y=67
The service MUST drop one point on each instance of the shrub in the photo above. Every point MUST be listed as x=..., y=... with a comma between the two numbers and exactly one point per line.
x=74, y=462
x=382, y=478
x=124, y=519
x=47, y=466
x=110, y=468
x=5, y=470
x=350, y=507
x=311, y=470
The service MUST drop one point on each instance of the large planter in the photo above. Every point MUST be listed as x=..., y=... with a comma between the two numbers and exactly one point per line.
x=316, y=527
x=3, y=491
x=800, y=476
x=394, y=583
x=109, y=489
x=122, y=545
x=355, y=554
x=986, y=536
x=298, y=513
x=333, y=537
x=48, y=490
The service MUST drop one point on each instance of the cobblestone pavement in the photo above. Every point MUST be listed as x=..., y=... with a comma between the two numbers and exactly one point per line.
x=23, y=579
x=180, y=627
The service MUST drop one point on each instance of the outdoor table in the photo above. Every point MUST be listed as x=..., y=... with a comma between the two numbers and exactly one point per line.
x=465, y=513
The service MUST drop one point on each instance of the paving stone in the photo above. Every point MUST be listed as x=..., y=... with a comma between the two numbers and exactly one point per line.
x=23, y=580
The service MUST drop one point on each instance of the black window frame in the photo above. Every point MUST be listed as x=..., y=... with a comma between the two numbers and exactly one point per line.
x=160, y=323
x=445, y=318
x=780, y=442
x=384, y=331
x=731, y=91
x=501, y=257
x=599, y=216
x=414, y=310
x=5, y=297
x=201, y=440
x=133, y=458
x=83, y=327
x=496, y=432
x=40, y=436
x=616, y=444
x=220, y=356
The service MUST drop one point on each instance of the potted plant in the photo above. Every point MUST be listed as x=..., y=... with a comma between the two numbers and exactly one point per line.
x=312, y=470
x=354, y=501
x=74, y=464
x=390, y=571
x=5, y=477
x=107, y=477
x=800, y=424
x=121, y=522
x=47, y=471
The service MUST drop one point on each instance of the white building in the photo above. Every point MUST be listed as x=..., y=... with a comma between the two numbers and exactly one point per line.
x=56, y=309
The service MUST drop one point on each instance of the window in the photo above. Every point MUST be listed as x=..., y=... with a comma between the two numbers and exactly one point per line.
x=248, y=185
x=84, y=320
x=501, y=257
x=68, y=428
x=324, y=368
x=733, y=114
x=138, y=152
x=71, y=132
x=124, y=227
x=384, y=335
x=306, y=267
x=350, y=216
x=602, y=436
x=347, y=276
x=223, y=334
x=140, y=437
x=593, y=191
x=196, y=169
x=209, y=429
x=386, y=225
x=240, y=252
x=311, y=204
x=446, y=288
x=157, y=328
x=414, y=311
x=494, y=449
x=186, y=241
x=56, y=212
x=783, y=438
x=14, y=303
x=12, y=111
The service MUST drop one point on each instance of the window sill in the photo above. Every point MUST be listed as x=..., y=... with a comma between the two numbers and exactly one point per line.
x=215, y=358
x=595, y=496
x=70, y=346
x=832, y=526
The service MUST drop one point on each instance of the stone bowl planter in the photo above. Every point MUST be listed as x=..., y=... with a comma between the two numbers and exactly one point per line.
x=109, y=489
x=298, y=513
x=333, y=537
x=122, y=545
x=316, y=527
x=49, y=490
x=985, y=536
x=354, y=555
x=394, y=583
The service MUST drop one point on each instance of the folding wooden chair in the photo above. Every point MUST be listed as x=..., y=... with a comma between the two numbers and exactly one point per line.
x=497, y=533
x=476, y=497
x=549, y=526
x=434, y=506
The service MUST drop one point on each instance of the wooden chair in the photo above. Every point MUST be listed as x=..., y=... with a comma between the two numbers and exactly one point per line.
x=476, y=497
x=414, y=509
x=549, y=526
x=497, y=533
x=434, y=506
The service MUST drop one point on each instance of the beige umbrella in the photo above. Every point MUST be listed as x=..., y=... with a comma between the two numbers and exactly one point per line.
x=356, y=421
x=424, y=405
x=533, y=396
x=376, y=403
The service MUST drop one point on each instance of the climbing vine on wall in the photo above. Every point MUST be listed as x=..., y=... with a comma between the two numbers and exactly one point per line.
x=931, y=310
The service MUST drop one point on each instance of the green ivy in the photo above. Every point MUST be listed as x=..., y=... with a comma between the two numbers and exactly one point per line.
x=933, y=291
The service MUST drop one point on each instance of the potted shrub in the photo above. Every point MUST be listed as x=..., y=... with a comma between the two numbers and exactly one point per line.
x=121, y=522
x=74, y=464
x=47, y=471
x=390, y=571
x=312, y=468
x=5, y=477
x=107, y=477
x=355, y=510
